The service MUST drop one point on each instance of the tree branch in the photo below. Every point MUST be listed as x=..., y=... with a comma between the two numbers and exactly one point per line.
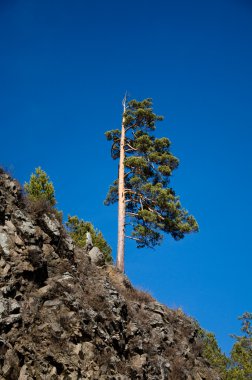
x=131, y=213
x=126, y=174
x=141, y=203
x=131, y=147
x=132, y=238
x=131, y=191
x=155, y=212
x=130, y=127
x=113, y=148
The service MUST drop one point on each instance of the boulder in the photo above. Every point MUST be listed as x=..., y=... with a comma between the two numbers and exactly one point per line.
x=97, y=257
x=51, y=227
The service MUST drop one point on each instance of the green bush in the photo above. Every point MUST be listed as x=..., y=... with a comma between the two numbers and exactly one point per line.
x=78, y=229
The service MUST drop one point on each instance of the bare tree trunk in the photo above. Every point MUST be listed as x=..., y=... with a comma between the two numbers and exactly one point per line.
x=121, y=198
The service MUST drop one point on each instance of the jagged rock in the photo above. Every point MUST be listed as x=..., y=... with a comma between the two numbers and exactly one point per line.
x=9, y=226
x=19, y=242
x=10, y=320
x=2, y=262
x=61, y=317
x=2, y=209
x=23, y=373
x=45, y=290
x=69, y=244
x=52, y=227
x=89, y=242
x=10, y=369
x=8, y=306
x=139, y=361
x=27, y=230
x=9, y=313
x=4, y=246
x=97, y=256
x=51, y=303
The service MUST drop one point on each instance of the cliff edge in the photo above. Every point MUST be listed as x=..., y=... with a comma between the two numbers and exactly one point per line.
x=66, y=315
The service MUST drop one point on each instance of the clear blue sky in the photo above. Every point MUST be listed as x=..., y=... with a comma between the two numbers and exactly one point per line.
x=65, y=66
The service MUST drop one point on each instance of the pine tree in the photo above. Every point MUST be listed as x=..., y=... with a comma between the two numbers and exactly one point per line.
x=241, y=353
x=78, y=229
x=212, y=352
x=40, y=187
x=142, y=189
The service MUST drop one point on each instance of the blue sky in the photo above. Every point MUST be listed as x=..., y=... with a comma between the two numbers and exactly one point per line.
x=65, y=66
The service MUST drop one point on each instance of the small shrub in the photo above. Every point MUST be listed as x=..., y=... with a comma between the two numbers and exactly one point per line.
x=65, y=322
x=78, y=229
x=58, y=215
x=144, y=296
x=138, y=295
x=38, y=207
x=178, y=366
x=124, y=287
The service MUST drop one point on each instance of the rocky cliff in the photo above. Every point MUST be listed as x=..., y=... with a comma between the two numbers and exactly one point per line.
x=64, y=314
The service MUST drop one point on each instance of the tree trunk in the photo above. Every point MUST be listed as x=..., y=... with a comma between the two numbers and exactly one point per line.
x=121, y=198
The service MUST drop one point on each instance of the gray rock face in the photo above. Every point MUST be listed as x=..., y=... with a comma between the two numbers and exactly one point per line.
x=64, y=314
x=69, y=243
x=25, y=226
x=97, y=256
x=8, y=307
x=52, y=227
x=89, y=242
x=4, y=246
x=27, y=229
x=2, y=210
x=9, y=312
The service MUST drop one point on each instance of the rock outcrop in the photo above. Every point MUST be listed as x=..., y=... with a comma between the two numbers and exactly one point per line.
x=64, y=314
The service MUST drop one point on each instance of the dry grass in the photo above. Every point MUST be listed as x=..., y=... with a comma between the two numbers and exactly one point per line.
x=178, y=366
x=37, y=207
x=124, y=287
x=97, y=300
x=65, y=322
x=140, y=296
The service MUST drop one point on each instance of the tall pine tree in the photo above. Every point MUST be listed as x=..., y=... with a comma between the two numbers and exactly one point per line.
x=147, y=205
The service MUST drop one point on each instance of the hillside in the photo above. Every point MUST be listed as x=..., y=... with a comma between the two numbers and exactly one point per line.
x=65, y=314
